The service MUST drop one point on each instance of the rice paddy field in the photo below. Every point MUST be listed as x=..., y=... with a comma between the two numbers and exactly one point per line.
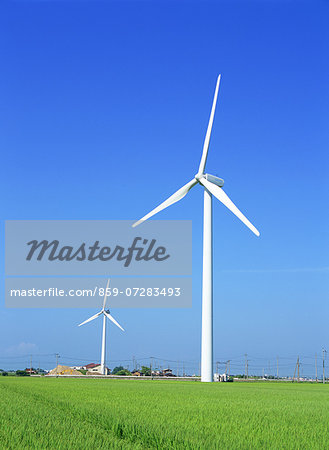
x=59, y=413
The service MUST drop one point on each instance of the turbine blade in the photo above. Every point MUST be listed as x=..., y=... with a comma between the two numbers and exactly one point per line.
x=222, y=197
x=178, y=195
x=105, y=296
x=113, y=320
x=208, y=134
x=90, y=318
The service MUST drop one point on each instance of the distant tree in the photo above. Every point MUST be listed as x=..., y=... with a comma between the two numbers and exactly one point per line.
x=146, y=371
x=22, y=373
x=83, y=371
x=4, y=373
x=123, y=372
x=117, y=369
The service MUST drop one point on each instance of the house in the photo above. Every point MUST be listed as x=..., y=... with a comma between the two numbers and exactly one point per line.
x=90, y=366
x=96, y=369
x=167, y=373
x=136, y=373
x=31, y=371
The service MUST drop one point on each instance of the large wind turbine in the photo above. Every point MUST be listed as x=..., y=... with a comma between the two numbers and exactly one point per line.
x=212, y=186
x=106, y=314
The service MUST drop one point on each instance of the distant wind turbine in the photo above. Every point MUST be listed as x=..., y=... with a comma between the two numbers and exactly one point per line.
x=212, y=186
x=106, y=314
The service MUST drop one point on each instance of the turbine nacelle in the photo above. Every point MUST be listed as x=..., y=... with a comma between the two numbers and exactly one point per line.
x=215, y=180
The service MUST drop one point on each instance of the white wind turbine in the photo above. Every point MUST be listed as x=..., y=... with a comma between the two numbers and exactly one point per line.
x=106, y=314
x=212, y=186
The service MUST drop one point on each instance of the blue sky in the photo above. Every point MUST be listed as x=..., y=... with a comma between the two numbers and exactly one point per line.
x=104, y=108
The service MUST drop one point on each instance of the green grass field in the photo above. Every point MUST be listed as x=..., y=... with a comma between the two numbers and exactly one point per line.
x=77, y=413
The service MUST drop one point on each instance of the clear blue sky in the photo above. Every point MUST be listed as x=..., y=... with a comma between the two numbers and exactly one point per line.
x=104, y=108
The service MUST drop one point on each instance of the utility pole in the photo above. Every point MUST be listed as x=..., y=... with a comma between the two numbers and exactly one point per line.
x=217, y=367
x=183, y=369
x=31, y=365
x=323, y=356
x=277, y=367
x=246, y=366
x=151, y=361
x=297, y=366
x=316, y=369
x=228, y=365
x=57, y=356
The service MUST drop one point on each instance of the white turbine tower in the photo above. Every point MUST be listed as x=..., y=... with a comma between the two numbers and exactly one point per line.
x=106, y=314
x=212, y=186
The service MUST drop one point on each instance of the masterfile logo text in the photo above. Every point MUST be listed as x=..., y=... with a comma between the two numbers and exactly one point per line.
x=78, y=247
